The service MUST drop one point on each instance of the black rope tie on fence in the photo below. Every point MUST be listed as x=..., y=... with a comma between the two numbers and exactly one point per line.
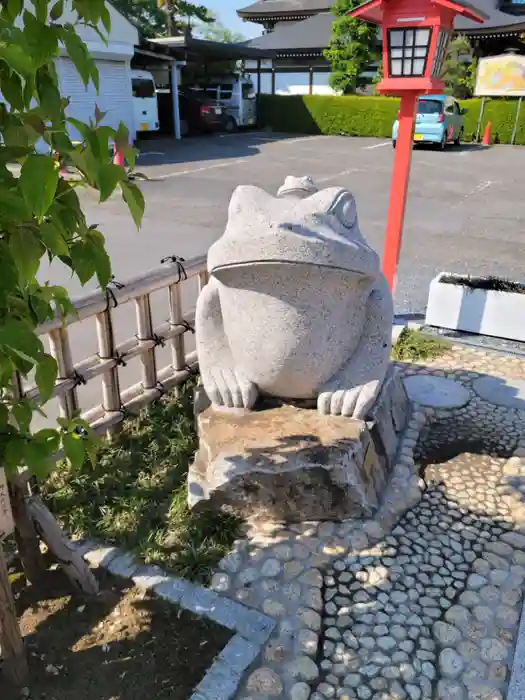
x=125, y=412
x=159, y=340
x=186, y=326
x=160, y=388
x=179, y=262
x=110, y=299
x=192, y=371
x=112, y=302
x=117, y=285
x=78, y=379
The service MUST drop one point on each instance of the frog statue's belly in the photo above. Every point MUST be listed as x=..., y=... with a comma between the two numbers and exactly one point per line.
x=291, y=328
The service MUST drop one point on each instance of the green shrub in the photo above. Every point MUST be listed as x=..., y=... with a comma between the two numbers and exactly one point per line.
x=319, y=114
x=374, y=116
x=502, y=115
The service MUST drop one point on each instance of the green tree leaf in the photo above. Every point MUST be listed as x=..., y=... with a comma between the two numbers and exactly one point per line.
x=12, y=206
x=14, y=7
x=26, y=250
x=17, y=338
x=57, y=10
x=53, y=239
x=82, y=261
x=22, y=413
x=41, y=39
x=135, y=201
x=49, y=438
x=14, y=453
x=45, y=377
x=109, y=175
x=74, y=449
x=106, y=19
x=39, y=458
x=95, y=242
x=17, y=57
x=38, y=182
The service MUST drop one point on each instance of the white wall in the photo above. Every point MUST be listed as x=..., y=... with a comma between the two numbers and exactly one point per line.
x=293, y=83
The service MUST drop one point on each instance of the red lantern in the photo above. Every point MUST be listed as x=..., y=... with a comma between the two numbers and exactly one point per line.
x=415, y=36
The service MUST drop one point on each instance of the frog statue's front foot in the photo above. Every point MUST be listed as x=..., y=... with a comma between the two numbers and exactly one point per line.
x=226, y=388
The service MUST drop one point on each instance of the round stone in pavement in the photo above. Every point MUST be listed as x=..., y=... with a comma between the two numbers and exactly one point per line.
x=436, y=391
x=503, y=392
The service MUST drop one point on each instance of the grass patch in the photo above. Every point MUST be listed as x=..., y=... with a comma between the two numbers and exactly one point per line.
x=413, y=345
x=135, y=496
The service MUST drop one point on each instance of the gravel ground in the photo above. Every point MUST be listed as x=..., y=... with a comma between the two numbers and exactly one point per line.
x=427, y=608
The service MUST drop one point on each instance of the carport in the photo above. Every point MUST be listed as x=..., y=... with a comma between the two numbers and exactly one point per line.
x=180, y=51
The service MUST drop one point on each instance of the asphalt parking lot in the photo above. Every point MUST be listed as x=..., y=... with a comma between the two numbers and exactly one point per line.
x=466, y=209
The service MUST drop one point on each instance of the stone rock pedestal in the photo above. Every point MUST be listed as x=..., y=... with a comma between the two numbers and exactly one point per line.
x=292, y=464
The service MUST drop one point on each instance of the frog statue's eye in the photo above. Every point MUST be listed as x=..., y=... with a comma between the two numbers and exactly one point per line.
x=344, y=209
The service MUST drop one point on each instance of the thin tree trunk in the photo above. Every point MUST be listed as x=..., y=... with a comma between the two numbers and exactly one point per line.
x=14, y=658
x=25, y=534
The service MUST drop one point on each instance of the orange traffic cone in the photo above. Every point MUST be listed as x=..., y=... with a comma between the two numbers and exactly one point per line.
x=487, y=135
x=118, y=158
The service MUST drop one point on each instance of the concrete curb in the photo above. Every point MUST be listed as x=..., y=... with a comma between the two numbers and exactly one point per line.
x=252, y=628
x=399, y=326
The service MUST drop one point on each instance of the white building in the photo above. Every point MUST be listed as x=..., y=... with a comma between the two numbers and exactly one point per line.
x=113, y=63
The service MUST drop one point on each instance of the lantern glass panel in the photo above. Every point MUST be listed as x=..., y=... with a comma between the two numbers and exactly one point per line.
x=419, y=66
x=396, y=37
x=396, y=67
x=441, y=50
x=412, y=46
x=422, y=37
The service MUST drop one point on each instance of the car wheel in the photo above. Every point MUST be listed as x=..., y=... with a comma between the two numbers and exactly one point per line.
x=393, y=144
x=457, y=142
x=231, y=125
x=443, y=143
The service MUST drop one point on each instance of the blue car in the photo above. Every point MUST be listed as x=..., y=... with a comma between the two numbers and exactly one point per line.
x=439, y=120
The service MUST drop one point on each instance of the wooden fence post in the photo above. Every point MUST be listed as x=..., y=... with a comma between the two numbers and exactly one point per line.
x=13, y=652
x=14, y=665
x=27, y=540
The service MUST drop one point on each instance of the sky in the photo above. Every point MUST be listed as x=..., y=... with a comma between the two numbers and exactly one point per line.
x=226, y=12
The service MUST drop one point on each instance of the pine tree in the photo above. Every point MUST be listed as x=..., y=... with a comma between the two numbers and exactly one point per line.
x=353, y=46
x=459, y=75
x=162, y=17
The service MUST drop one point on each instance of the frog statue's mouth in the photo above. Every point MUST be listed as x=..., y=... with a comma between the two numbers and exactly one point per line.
x=320, y=230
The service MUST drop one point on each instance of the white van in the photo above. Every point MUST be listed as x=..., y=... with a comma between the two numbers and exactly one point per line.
x=145, y=105
x=238, y=97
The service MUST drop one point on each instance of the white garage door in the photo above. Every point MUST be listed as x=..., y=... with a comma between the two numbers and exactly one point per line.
x=114, y=97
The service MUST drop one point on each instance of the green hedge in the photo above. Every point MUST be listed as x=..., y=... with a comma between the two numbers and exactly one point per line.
x=373, y=116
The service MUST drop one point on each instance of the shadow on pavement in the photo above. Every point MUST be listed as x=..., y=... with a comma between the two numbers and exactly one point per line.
x=164, y=150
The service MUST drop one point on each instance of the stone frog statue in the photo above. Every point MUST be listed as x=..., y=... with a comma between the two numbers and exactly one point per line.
x=296, y=306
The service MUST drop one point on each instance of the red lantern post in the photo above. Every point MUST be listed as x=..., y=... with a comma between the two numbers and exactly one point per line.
x=415, y=35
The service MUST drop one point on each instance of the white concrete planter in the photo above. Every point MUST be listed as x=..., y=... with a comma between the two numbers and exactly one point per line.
x=464, y=308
